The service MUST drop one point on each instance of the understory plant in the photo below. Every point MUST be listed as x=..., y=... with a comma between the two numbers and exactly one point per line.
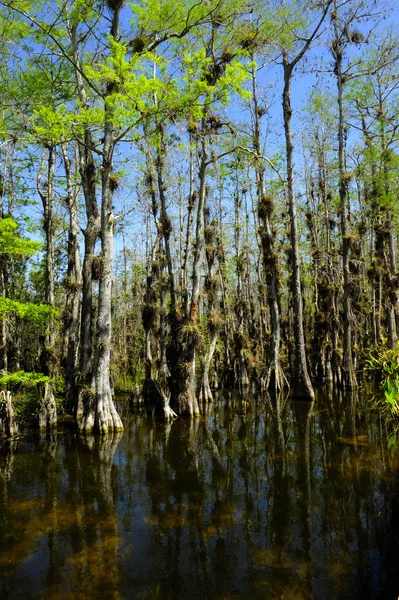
x=383, y=363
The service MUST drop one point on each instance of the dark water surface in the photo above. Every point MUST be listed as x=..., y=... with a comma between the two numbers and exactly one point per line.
x=257, y=499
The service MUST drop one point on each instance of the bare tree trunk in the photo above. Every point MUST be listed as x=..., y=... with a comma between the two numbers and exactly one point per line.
x=165, y=221
x=393, y=301
x=73, y=284
x=348, y=371
x=163, y=370
x=100, y=413
x=3, y=277
x=155, y=397
x=191, y=205
x=205, y=388
x=224, y=290
x=274, y=377
x=3, y=342
x=392, y=295
x=241, y=371
x=46, y=192
x=184, y=400
x=213, y=319
x=6, y=191
x=8, y=425
x=88, y=178
x=301, y=385
x=47, y=408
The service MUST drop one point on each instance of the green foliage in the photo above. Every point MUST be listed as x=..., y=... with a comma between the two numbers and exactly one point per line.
x=26, y=406
x=124, y=384
x=22, y=379
x=391, y=393
x=40, y=314
x=290, y=20
x=12, y=244
x=153, y=19
x=384, y=363
x=53, y=125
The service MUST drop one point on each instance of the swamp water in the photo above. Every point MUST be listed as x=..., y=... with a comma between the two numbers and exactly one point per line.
x=256, y=499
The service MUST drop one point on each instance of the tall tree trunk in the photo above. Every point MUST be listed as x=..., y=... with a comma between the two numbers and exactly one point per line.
x=153, y=392
x=88, y=177
x=393, y=293
x=155, y=398
x=165, y=221
x=348, y=371
x=47, y=409
x=241, y=371
x=191, y=205
x=73, y=283
x=3, y=269
x=184, y=400
x=100, y=413
x=3, y=325
x=213, y=319
x=87, y=170
x=224, y=290
x=274, y=377
x=301, y=384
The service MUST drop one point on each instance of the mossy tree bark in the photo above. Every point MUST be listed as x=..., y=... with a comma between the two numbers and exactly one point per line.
x=155, y=397
x=185, y=330
x=213, y=319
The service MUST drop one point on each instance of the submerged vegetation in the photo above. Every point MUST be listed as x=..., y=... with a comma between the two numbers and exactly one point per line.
x=195, y=196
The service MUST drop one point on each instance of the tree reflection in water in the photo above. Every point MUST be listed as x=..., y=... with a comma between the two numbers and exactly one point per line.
x=259, y=498
x=59, y=523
